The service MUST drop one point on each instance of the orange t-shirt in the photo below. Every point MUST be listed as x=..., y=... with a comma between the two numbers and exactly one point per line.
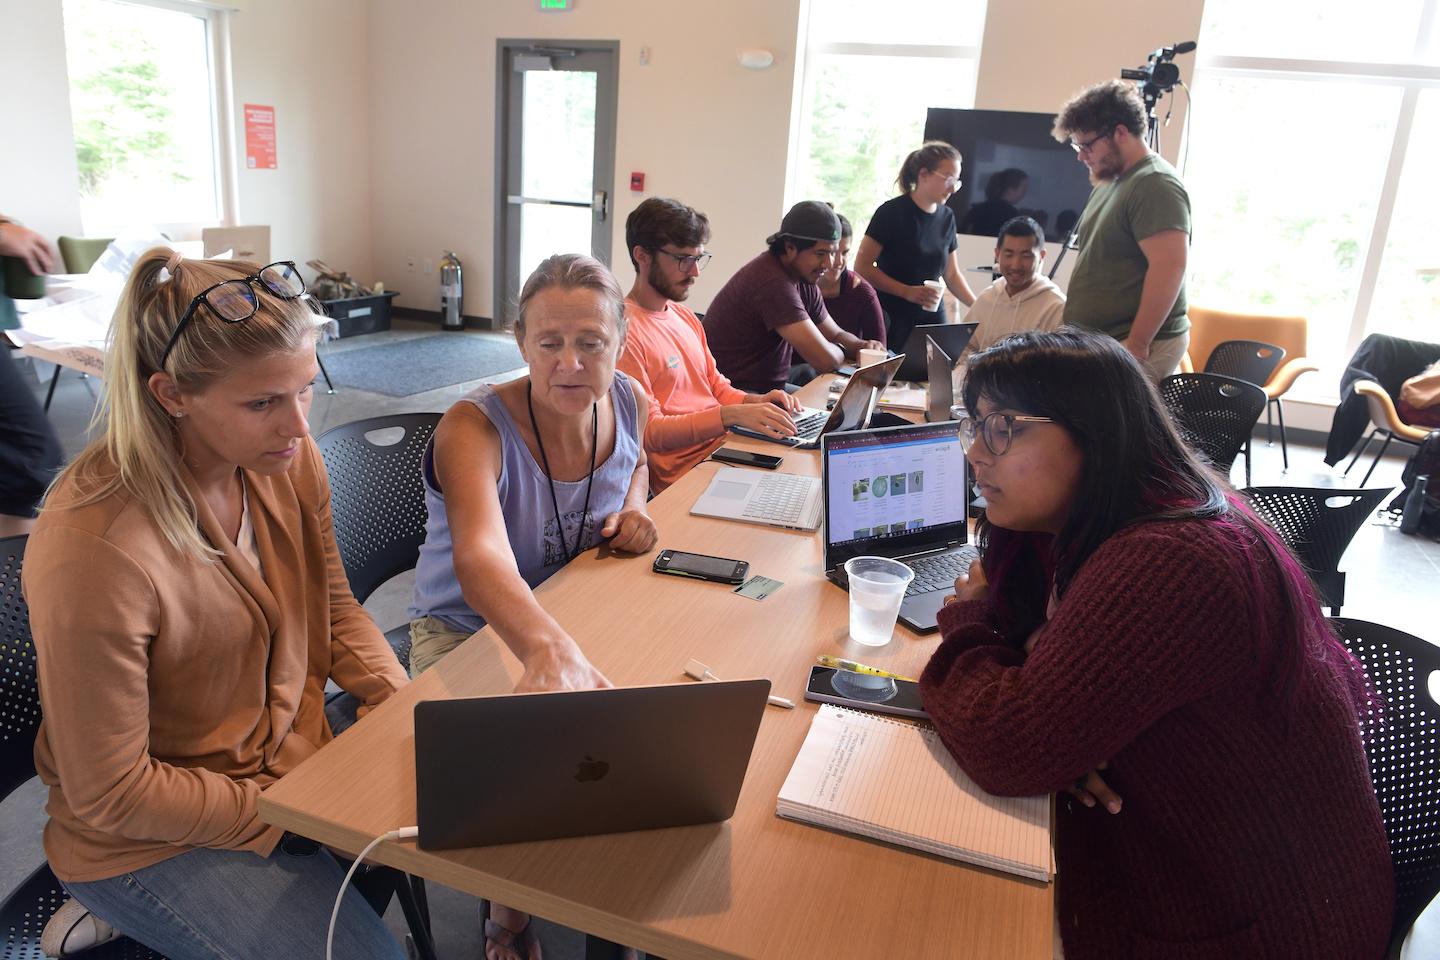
x=666, y=355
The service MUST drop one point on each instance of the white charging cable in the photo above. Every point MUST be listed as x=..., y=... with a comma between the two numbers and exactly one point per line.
x=404, y=833
x=696, y=670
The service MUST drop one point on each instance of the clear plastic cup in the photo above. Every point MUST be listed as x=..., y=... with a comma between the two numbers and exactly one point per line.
x=877, y=586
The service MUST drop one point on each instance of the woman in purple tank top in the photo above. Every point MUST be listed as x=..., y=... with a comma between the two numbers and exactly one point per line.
x=523, y=476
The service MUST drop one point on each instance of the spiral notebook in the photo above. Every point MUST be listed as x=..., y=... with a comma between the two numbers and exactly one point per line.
x=889, y=780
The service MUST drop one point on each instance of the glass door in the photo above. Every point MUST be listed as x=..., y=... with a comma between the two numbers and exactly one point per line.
x=556, y=153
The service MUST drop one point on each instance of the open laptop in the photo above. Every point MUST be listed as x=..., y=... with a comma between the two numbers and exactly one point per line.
x=952, y=337
x=789, y=500
x=539, y=766
x=899, y=492
x=939, y=383
x=852, y=411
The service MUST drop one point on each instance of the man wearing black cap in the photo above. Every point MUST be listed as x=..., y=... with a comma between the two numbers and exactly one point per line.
x=772, y=309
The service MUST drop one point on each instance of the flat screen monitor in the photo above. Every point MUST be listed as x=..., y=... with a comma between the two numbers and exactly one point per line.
x=1011, y=166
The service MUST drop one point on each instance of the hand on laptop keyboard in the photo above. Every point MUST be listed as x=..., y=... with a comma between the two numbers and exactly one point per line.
x=765, y=418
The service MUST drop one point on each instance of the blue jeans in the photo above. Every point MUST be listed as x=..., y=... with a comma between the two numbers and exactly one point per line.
x=232, y=905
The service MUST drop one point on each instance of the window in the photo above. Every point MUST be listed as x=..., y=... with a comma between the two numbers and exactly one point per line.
x=1328, y=210
x=142, y=96
x=870, y=72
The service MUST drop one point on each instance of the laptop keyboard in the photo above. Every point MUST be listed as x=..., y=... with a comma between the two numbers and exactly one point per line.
x=809, y=426
x=939, y=572
x=779, y=497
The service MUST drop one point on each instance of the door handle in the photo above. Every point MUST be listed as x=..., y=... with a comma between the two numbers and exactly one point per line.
x=601, y=205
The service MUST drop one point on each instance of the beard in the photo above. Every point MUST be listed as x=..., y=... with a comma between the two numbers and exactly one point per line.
x=676, y=291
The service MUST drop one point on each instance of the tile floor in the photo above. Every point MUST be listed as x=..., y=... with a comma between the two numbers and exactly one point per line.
x=1392, y=579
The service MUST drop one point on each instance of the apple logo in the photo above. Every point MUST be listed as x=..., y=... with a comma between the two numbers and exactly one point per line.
x=591, y=769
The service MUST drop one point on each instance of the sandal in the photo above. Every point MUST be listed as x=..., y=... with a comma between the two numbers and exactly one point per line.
x=521, y=943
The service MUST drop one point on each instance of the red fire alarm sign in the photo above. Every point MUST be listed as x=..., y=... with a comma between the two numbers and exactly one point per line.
x=637, y=182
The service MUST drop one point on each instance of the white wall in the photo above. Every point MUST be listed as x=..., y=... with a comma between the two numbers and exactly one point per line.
x=305, y=59
x=701, y=127
x=38, y=175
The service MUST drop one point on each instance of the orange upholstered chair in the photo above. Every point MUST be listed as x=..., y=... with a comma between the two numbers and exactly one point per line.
x=1209, y=328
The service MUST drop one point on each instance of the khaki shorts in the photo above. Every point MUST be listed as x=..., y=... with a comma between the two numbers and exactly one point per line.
x=430, y=640
x=1165, y=356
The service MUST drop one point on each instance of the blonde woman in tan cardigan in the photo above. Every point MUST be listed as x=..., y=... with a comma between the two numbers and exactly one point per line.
x=188, y=604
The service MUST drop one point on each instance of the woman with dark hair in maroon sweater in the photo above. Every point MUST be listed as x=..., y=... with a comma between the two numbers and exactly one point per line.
x=1137, y=638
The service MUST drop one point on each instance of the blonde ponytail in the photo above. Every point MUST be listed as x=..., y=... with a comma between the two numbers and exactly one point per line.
x=138, y=449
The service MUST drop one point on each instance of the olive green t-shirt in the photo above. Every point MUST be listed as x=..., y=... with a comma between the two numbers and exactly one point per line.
x=1104, y=289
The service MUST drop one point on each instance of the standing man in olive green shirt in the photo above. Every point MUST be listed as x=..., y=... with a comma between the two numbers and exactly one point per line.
x=1134, y=237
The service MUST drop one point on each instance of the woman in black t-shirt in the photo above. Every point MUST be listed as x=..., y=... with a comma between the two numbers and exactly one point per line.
x=911, y=239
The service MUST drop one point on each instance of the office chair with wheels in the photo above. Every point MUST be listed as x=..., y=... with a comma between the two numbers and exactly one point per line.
x=377, y=502
x=1317, y=523
x=1401, y=736
x=1387, y=423
x=1216, y=415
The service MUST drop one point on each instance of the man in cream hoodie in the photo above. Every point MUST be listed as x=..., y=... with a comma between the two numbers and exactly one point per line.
x=1021, y=299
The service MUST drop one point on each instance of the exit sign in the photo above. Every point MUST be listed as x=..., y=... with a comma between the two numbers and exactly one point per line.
x=556, y=6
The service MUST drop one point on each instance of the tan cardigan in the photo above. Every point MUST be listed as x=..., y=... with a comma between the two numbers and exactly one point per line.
x=175, y=690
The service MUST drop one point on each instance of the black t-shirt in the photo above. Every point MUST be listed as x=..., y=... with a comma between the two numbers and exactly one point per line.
x=915, y=246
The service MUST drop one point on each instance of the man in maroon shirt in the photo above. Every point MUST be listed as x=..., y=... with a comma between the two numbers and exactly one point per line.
x=772, y=309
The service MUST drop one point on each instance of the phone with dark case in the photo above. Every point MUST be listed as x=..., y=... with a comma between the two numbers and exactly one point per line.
x=697, y=565
x=746, y=458
x=863, y=691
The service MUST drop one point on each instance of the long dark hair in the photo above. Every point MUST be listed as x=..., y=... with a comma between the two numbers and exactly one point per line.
x=1135, y=469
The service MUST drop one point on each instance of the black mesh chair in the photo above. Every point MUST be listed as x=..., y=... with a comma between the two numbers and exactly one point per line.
x=377, y=501
x=1318, y=523
x=1253, y=361
x=1216, y=414
x=24, y=913
x=1402, y=741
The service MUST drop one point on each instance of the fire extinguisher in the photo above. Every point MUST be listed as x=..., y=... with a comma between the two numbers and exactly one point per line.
x=452, y=293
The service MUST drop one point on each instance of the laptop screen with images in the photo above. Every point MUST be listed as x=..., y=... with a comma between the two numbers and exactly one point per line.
x=892, y=490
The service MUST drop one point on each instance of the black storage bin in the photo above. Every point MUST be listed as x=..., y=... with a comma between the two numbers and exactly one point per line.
x=357, y=315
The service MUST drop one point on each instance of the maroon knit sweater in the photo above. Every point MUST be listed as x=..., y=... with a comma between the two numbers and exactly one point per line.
x=1249, y=826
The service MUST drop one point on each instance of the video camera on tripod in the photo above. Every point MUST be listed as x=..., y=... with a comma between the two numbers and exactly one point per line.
x=1158, y=75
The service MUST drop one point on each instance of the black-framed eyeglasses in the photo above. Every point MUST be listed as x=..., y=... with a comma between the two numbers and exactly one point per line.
x=235, y=300
x=1085, y=146
x=996, y=429
x=686, y=261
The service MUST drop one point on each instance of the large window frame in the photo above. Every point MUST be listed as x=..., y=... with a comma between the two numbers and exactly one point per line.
x=223, y=146
x=1412, y=76
x=806, y=71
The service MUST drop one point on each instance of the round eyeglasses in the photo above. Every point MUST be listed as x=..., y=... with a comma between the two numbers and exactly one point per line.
x=686, y=261
x=235, y=300
x=996, y=429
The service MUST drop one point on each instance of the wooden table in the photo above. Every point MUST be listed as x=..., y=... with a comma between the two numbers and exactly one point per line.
x=755, y=886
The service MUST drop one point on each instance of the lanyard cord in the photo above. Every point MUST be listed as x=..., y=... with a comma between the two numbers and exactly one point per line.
x=589, y=483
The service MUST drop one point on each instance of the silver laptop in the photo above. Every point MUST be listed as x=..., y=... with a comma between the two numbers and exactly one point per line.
x=853, y=411
x=778, y=499
x=940, y=384
x=543, y=765
x=899, y=492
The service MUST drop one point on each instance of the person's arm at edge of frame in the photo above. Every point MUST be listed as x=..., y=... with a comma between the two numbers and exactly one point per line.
x=630, y=528
x=362, y=661
x=1022, y=725
x=467, y=462
x=1167, y=254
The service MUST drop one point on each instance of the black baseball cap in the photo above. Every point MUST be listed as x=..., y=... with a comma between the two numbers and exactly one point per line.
x=809, y=220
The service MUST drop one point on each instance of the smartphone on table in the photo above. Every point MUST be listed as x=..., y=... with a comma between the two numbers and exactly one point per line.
x=862, y=691
x=701, y=567
x=746, y=458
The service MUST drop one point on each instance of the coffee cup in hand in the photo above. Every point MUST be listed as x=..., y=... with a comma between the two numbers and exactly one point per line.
x=866, y=357
x=937, y=289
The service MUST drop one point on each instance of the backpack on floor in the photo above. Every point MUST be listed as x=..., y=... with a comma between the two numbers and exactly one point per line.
x=1425, y=462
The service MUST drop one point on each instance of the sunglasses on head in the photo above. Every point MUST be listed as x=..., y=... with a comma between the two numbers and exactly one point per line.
x=235, y=300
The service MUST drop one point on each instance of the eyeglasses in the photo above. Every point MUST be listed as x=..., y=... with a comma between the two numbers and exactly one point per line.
x=951, y=181
x=1085, y=146
x=698, y=261
x=235, y=301
x=997, y=430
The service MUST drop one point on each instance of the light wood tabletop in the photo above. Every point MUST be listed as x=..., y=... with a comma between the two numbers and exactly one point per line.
x=754, y=886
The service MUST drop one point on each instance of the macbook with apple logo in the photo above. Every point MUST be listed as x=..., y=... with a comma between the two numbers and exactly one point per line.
x=539, y=766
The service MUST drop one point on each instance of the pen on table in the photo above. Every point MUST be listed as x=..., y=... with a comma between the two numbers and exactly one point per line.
x=838, y=664
x=698, y=671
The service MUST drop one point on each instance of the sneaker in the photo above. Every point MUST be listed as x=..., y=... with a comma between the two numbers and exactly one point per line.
x=72, y=929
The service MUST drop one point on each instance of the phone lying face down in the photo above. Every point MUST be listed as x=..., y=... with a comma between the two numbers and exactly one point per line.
x=746, y=458
x=862, y=691
x=697, y=565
